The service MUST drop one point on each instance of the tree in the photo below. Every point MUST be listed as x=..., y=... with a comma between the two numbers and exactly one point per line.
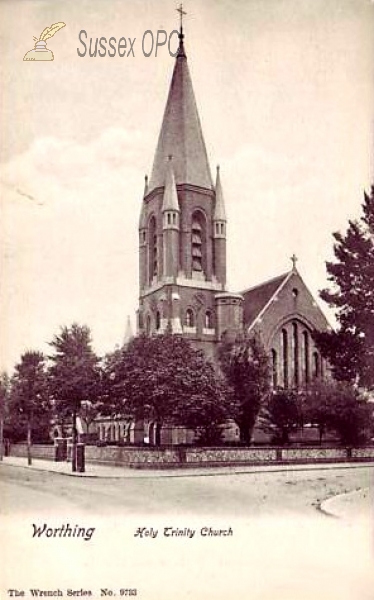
x=344, y=351
x=4, y=399
x=246, y=367
x=29, y=401
x=74, y=375
x=351, y=414
x=351, y=349
x=281, y=415
x=341, y=407
x=317, y=405
x=164, y=379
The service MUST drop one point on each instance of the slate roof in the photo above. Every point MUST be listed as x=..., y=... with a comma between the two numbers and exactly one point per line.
x=256, y=298
x=181, y=135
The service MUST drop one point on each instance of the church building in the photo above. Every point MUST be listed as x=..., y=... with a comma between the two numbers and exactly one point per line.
x=182, y=256
x=182, y=272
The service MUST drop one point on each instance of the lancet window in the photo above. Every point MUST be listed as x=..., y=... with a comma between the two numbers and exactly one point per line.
x=153, y=258
x=285, y=357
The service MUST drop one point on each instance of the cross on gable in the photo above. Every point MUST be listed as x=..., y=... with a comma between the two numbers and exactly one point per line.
x=294, y=260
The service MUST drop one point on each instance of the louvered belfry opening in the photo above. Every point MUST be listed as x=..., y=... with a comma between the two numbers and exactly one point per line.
x=198, y=241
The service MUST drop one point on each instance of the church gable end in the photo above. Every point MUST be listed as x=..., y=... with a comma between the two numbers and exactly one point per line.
x=286, y=324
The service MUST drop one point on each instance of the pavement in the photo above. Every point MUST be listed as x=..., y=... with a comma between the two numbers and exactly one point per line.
x=351, y=505
x=122, y=472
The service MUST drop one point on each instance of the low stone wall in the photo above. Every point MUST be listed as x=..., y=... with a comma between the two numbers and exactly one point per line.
x=202, y=456
x=314, y=454
x=148, y=457
x=43, y=451
x=131, y=456
x=359, y=453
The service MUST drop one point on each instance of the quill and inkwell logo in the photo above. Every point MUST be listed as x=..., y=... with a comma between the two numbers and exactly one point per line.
x=41, y=52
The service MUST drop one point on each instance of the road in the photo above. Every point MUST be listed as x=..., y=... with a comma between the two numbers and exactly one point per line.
x=239, y=494
x=281, y=547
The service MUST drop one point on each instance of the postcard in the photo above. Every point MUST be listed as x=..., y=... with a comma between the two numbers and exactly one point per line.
x=182, y=169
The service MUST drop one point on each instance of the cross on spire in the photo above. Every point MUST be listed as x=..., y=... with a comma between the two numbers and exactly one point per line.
x=181, y=13
x=294, y=260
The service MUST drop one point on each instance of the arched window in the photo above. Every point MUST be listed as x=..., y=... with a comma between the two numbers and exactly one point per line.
x=316, y=365
x=158, y=320
x=153, y=259
x=208, y=321
x=190, y=318
x=306, y=356
x=295, y=354
x=274, y=365
x=285, y=357
x=198, y=242
x=148, y=325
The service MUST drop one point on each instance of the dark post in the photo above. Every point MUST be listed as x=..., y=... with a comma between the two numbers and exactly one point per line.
x=80, y=458
x=29, y=442
x=6, y=447
x=60, y=449
x=74, y=444
x=1, y=435
x=56, y=452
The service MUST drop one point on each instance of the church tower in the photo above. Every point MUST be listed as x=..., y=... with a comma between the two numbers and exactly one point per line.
x=182, y=228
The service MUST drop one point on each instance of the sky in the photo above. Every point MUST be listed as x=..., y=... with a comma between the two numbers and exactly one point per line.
x=285, y=94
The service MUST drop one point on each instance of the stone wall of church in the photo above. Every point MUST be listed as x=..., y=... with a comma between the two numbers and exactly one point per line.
x=152, y=208
x=193, y=307
x=295, y=359
x=229, y=309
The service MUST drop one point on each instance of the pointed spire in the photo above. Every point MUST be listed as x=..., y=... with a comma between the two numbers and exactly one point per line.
x=142, y=219
x=181, y=134
x=128, y=332
x=145, y=186
x=219, y=209
x=181, y=51
x=142, y=222
x=170, y=201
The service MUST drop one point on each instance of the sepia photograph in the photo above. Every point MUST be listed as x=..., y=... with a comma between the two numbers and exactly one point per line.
x=186, y=299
